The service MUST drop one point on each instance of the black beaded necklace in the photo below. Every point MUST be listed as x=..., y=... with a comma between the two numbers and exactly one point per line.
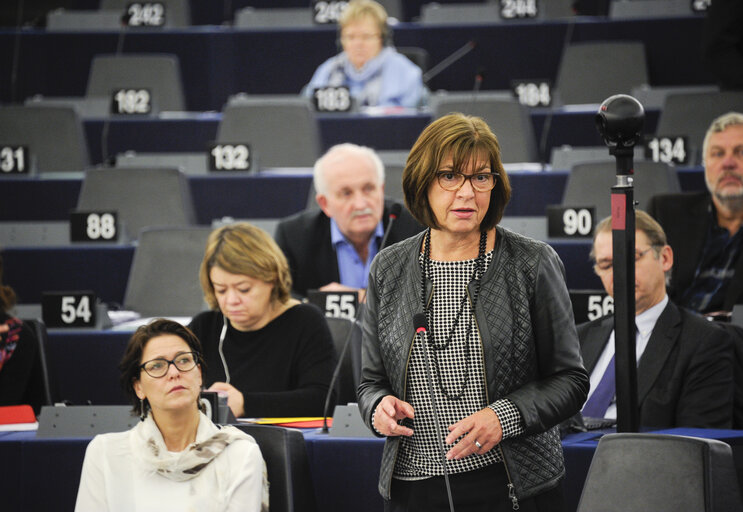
x=429, y=309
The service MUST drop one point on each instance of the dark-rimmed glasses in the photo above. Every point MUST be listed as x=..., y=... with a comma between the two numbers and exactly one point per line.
x=454, y=180
x=605, y=265
x=157, y=368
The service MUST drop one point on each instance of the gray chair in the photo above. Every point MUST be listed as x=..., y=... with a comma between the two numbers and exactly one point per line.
x=287, y=465
x=164, y=275
x=690, y=114
x=177, y=12
x=160, y=73
x=53, y=134
x=286, y=17
x=393, y=8
x=589, y=184
x=590, y=72
x=342, y=330
x=625, y=9
x=83, y=20
x=280, y=131
x=662, y=473
x=508, y=119
x=452, y=14
x=142, y=197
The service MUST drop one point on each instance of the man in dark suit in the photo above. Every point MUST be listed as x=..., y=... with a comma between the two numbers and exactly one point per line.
x=331, y=249
x=704, y=228
x=685, y=363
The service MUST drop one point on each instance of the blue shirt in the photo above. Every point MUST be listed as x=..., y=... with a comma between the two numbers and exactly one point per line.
x=352, y=271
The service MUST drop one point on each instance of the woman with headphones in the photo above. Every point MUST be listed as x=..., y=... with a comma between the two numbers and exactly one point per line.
x=374, y=72
x=272, y=355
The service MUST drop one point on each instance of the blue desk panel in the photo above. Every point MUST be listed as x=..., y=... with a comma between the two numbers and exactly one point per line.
x=44, y=474
x=217, y=62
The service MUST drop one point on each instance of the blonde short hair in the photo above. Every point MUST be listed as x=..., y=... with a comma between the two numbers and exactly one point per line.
x=244, y=249
x=362, y=9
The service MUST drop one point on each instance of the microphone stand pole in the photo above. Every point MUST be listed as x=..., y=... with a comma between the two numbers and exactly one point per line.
x=622, y=122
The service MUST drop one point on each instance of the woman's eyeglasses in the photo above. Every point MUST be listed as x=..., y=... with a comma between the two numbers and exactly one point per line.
x=157, y=368
x=454, y=180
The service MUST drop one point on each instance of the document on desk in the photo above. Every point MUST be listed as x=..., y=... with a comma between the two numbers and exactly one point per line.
x=294, y=422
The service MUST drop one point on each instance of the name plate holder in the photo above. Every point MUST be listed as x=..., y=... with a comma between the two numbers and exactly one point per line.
x=84, y=420
x=347, y=422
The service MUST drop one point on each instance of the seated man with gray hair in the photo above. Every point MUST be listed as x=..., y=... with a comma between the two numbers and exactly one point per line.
x=331, y=249
x=685, y=364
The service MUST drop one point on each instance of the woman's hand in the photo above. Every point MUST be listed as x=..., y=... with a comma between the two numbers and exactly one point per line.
x=388, y=412
x=482, y=427
x=235, y=399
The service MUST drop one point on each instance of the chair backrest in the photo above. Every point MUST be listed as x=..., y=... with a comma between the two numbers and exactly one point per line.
x=177, y=12
x=662, y=473
x=164, y=275
x=343, y=330
x=417, y=55
x=280, y=131
x=589, y=184
x=39, y=388
x=690, y=114
x=75, y=20
x=508, y=119
x=590, y=72
x=622, y=9
x=53, y=134
x=287, y=464
x=269, y=17
x=142, y=197
x=160, y=73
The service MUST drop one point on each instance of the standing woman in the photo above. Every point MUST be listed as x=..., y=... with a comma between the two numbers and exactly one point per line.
x=176, y=458
x=501, y=354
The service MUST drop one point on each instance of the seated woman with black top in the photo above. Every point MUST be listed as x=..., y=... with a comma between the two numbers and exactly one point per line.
x=272, y=355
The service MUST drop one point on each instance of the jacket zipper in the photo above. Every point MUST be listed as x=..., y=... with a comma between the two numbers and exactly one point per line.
x=511, y=487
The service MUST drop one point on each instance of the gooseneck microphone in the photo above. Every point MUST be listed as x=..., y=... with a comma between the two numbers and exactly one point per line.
x=448, y=61
x=338, y=365
x=420, y=324
x=395, y=210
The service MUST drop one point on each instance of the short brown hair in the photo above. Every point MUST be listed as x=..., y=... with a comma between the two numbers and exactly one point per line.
x=460, y=137
x=132, y=359
x=244, y=249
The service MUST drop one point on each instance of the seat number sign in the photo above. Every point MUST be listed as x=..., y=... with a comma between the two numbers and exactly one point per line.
x=145, y=14
x=68, y=309
x=94, y=227
x=533, y=93
x=331, y=99
x=14, y=159
x=131, y=101
x=518, y=9
x=570, y=221
x=669, y=150
x=327, y=12
x=335, y=304
x=230, y=157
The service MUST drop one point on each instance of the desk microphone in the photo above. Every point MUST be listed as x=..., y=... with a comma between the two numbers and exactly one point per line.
x=420, y=324
x=395, y=210
x=337, y=369
x=448, y=61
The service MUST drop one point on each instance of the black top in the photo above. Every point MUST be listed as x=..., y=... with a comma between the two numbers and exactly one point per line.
x=305, y=240
x=20, y=375
x=282, y=369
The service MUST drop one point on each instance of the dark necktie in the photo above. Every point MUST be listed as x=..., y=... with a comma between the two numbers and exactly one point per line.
x=601, y=398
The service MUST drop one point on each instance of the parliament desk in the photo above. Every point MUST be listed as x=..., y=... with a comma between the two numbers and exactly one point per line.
x=44, y=474
x=219, y=61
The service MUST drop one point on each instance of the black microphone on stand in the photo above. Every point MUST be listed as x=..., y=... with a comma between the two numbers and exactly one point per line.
x=338, y=365
x=420, y=324
x=448, y=61
x=395, y=210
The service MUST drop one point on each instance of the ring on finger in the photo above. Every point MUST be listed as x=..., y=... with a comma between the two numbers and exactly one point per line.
x=477, y=443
